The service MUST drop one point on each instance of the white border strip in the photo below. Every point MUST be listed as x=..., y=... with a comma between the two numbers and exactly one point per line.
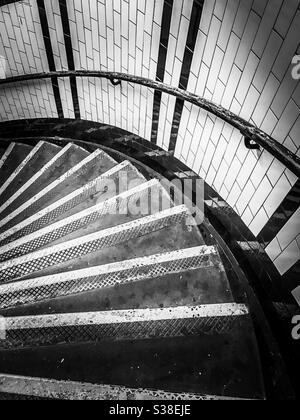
x=125, y=316
x=108, y=269
x=77, y=216
x=36, y=176
x=21, y=166
x=6, y=154
x=70, y=390
x=94, y=236
x=63, y=200
x=50, y=187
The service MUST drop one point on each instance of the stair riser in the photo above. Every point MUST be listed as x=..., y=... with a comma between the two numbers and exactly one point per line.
x=99, y=214
x=83, y=246
x=57, y=210
x=33, y=291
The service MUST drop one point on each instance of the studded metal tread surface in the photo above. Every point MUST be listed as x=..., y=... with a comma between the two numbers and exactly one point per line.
x=20, y=387
x=116, y=210
x=176, y=219
x=86, y=196
x=200, y=277
x=86, y=171
x=121, y=325
x=13, y=156
x=63, y=161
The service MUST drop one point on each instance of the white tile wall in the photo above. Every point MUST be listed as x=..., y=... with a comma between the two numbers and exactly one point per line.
x=22, y=46
x=284, y=250
x=122, y=38
x=244, y=63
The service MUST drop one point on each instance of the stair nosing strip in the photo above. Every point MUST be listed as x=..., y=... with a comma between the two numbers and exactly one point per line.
x=6, y=154
x=130, y=316
x=62, y=389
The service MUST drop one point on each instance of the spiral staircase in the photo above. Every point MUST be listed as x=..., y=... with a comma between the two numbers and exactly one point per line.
x=99, y=302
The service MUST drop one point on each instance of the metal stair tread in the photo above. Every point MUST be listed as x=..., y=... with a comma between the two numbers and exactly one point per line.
x=162, y=232
x=219, y=364
x=105, y=214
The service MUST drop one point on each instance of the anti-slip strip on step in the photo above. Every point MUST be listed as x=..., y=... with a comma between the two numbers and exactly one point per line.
x=122, y=325
x=119, y=204
x=69, y=390
x=16, y=172
x=61, y=206
x=50, y=191
x=78, y=247
x=108, y=275
x=53, y=162
x=6, y=154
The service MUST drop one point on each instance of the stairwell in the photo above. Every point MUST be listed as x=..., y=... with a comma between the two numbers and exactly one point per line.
x=101, y=302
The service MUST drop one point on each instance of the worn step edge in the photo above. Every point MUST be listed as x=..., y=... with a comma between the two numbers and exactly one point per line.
x=6, y=154
x=50, y=213
x=76, y=170
x=132, y=324
x=35, y=177
x=44, y=236
x=108, y=275
x=70, y=390
x=39, y=260
x=16, y=172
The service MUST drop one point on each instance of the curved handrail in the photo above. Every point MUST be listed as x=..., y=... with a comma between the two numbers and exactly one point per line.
x=249, y=131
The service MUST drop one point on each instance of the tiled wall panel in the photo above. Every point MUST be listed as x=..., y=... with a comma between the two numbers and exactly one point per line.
x=116, y=36
x=243, y=62
x=22, y=46
x=284, y=250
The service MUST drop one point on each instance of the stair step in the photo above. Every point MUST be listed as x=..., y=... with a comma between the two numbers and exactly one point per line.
x=12, y=386
x=13, y=156
x=85, y=171
x=133, y=324
x=116, y=210
x=45, y=172
x=88, y=195
x=188, y=276
x=36, y=159
x=214, y=361
x=162, y=232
